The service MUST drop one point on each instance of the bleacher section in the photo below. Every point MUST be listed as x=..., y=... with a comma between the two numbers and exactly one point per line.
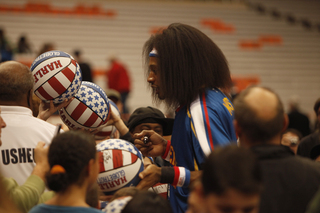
x=282, y=56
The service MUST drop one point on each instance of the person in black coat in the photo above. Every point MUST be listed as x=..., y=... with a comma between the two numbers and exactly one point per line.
x=290, y=181
x=309, y=142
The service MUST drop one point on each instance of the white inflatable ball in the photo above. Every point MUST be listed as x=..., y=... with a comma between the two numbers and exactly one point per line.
x=57, y=76
x=120, y=164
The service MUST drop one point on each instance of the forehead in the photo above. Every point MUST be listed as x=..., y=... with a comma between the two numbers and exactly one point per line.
x=233, y=199
x=148, y=125
x=290, y=134
x=153, y=61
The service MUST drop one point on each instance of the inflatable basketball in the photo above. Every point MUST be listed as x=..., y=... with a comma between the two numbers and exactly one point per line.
x=89, y=109
x=57, y=76
x=108, y=130
x=120, y=164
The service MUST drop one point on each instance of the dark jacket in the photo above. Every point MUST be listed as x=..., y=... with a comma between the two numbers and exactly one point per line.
x=307, y=143
x=300, y=122
x=290, y=181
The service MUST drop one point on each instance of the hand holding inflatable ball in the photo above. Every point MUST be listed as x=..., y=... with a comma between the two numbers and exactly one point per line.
x=120, y=164
x=89, y=109
x=111, y=129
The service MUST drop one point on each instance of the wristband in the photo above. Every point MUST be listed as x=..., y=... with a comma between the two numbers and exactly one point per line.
x=166, y=155
x=176, y=176
x=167, y=174
x=181, y=177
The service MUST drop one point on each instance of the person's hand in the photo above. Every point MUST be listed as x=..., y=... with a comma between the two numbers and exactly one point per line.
x=41, y=160
x=156, y=145
x=87, y=130
x=105, y=197
x=113, y=118
x=47, y=109
x=149, y=177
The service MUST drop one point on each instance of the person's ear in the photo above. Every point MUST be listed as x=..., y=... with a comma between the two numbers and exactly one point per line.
x=285, y=122
x=90, y=167
x=30, y=99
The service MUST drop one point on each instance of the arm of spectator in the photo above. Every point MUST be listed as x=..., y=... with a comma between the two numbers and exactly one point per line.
x=27, y=195
x=47, y=109
x=41, y=160
x=118, y=123
x=6, y=204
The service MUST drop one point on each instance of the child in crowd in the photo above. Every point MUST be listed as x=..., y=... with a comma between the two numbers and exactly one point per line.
x=73, y=172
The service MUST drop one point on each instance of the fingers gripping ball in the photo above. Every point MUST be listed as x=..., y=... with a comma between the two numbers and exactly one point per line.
x=108, y=130
x=89, y=109
x=57, y=76
x=120, y=164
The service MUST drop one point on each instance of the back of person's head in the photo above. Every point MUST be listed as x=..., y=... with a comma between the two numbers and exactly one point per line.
x=16, y=81
x=189, y=62
x=22, y=39
x=141, y=202
x=126, y=191
x=231, y=167
x=69, y=155
x=146, y=202
x=294, y=103
x=114, y=95
x=259, y=113
x=46, y=47
x=77, y=53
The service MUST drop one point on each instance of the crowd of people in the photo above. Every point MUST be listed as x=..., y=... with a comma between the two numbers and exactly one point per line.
x=217, y=155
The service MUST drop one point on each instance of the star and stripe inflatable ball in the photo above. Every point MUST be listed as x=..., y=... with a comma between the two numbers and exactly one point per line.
x=88, y=110
x=111, y=129
x=57, y=76
x=120, y=164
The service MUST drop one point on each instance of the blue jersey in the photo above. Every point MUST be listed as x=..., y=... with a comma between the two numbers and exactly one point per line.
x=197, y=130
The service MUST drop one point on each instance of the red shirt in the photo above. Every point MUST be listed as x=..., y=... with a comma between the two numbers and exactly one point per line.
x=118, y=78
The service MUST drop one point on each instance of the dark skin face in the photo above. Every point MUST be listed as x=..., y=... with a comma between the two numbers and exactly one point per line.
x=153, y=78
x=148, y=126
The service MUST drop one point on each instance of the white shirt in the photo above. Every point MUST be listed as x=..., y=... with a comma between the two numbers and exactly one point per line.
x=19, y=138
